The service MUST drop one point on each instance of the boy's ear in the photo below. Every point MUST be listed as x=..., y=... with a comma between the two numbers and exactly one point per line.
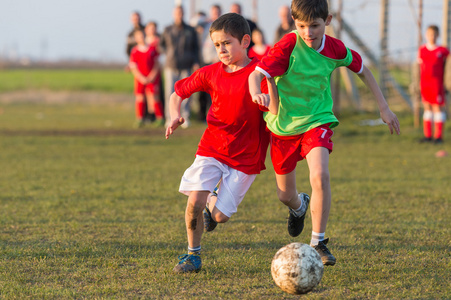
x=328, y=19
x=246, y=41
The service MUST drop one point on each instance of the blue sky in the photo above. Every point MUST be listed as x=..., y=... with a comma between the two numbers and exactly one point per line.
x=96, y=29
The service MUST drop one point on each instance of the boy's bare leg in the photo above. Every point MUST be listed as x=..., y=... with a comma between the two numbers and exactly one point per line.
x=318, y=162
x=192, y=262
x=150, y=103
x=197, y=201
x=217, y=215
x=286, y=190
x=298, y=204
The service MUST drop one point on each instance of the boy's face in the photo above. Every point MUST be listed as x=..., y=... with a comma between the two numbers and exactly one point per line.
x=257, y=37
x=431, y=36
x=150, y=29
x=139, y=37
x=229, y=49
x=312, y=32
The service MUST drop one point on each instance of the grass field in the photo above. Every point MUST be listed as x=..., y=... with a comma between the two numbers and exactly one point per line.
x=89, y=208
x=68, y=80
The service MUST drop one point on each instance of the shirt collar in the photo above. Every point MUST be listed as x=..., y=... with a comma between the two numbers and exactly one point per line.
x=323, y=42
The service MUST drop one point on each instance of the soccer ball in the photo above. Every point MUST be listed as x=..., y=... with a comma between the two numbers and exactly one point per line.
x=297, y=268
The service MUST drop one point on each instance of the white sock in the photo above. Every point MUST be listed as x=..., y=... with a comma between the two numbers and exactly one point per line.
x=194, y=250
x=301, y=210
x=316, y=238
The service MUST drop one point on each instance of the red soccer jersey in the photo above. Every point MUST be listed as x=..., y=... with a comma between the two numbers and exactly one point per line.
x=236, y=134
x=432, y=69
x=252, y=53
x=277, y=62
x=143, y=60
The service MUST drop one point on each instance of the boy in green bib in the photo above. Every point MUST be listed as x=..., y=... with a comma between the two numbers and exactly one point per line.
x=301, y=64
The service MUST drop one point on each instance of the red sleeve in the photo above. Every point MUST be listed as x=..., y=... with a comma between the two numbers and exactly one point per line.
x=336, y=49
x=356, y=65
x=190, y=85
x=277, y=61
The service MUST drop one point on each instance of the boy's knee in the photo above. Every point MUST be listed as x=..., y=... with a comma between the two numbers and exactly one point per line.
x=218, y=216
x=320, y=179
x=196, y=206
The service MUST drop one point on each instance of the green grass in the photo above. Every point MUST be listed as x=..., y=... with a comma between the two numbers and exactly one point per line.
x=68, y=80
x=89, y=209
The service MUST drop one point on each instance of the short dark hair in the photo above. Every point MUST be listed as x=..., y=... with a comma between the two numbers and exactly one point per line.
x=435, y=28
x=309, y=10
x=233, y=24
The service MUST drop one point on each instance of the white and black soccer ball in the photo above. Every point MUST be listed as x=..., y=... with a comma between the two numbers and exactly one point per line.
x=297, y=268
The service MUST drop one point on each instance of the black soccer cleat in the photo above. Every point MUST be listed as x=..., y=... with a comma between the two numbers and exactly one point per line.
x=438, y=141
x=425, y=140
x=295, y=223
x=326, y=257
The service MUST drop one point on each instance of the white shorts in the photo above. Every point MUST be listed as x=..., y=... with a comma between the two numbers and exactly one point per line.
x=205, y=173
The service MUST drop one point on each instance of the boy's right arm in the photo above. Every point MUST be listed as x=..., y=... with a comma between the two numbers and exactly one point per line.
x=174, y=112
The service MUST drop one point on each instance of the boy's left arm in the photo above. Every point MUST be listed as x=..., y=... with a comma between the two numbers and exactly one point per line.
x=386, y=114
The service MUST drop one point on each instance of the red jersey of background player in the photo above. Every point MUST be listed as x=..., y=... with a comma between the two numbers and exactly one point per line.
x=432, y=69
x=144, y=61
x=252, y=53
x=236, y=133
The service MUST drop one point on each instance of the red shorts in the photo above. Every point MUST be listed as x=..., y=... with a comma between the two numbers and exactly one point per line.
x=434, y=98
x=151, y=88
x=286, y=151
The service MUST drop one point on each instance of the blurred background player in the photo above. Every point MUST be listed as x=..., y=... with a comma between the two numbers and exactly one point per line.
x=208, y=57
x=135, y=19
x=236, y=8
x=152, y=36
x=260, y=48
x=180, y=44
x=286, y=23
x=146, y=71
x=432, y=59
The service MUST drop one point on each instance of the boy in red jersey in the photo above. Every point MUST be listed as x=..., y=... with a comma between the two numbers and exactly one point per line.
x=302, y=62
x=232, y=149
x=146, y=70
x=432, y=59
